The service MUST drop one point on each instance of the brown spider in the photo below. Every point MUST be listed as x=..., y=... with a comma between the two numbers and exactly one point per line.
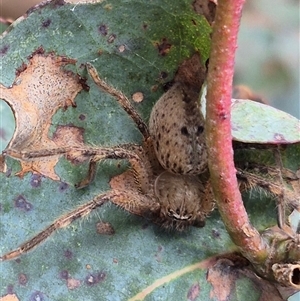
x=162, y=184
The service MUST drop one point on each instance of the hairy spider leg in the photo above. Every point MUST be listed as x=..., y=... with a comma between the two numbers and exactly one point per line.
x=121, y=98
x=141, y=125
x=131, y=201
x=249, y=180
x=139, y=163
x=138, y=201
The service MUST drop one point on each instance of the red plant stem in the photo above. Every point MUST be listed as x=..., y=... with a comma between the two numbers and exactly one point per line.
x=219, y=140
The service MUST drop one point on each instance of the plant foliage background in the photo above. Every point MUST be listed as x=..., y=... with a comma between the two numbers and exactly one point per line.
x=77, y=263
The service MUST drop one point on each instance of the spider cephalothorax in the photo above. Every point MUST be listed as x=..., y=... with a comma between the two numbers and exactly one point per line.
x=162, y=184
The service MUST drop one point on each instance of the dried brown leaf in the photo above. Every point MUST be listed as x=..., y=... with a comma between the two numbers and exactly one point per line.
x=39, y=90
x=224, y=274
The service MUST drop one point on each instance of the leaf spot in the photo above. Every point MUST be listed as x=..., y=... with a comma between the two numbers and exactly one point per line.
x=138, y=97
x=82, y=117
x=37, y=296
x=4, y=50
x=279, y=137
x=36, y=180
x=23, y=279
x=103, y=29
x=111, y=38
x=64, y=274
x=193, y=292
x=95, y=278
x=68, y=254
x=23, y=204
x=46, y=23
x=62, y=187
x=164, y=47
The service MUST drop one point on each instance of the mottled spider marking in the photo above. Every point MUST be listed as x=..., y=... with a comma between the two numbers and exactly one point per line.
x=177, y=128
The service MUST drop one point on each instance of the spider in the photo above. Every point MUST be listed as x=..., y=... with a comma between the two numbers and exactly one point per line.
x=163, y=183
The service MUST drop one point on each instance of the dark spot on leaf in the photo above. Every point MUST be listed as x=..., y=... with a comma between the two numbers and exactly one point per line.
x=82, y=117
x=163, y=47
x=64, y=274
x=23, y=204
x=200, y=130
x=3, y=50
x=163, y=74
x=82, y=81
x=68, y=254
x=46, y=23
x=145, y=26
x=37, y=296
x=22, y=278
x=18, y=260
x=10, y=289
x=95, y=278
x=111, y=38
x=36, y=180
x=194, y=22
x=279, y=137
x=57, y=3
x=193, y=292
x=145, y=226
x=103, y=29
x=62, y=187
x=2, y=134
x=215, y=233
x=184, y=131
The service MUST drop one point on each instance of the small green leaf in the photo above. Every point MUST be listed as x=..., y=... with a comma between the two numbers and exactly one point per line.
x=253, y=122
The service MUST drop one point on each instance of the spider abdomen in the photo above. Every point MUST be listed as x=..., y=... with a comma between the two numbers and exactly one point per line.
x=177, y=129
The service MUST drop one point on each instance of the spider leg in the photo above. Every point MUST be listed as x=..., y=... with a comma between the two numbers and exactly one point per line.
x=134, y=154
x=140, y=166
x=121, y=98
x=285, y=197
x=131, y=201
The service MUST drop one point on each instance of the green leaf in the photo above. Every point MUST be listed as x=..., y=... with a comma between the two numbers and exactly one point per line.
x=253, y=122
